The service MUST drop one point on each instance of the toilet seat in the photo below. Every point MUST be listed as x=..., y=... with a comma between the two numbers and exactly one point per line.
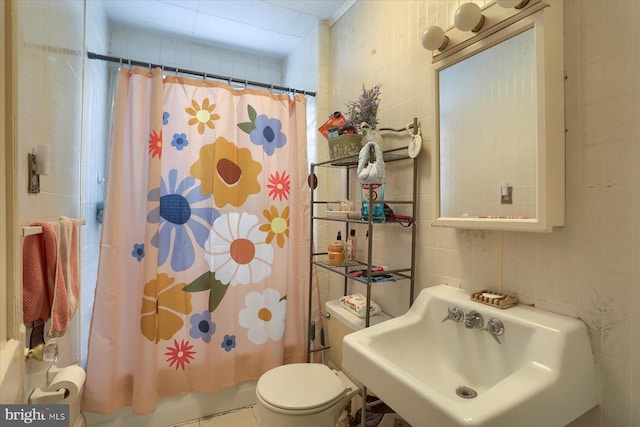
x=300, y=388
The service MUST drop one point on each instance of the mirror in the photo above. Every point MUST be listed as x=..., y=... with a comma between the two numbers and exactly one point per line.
x=500, y=132
x=487, y=136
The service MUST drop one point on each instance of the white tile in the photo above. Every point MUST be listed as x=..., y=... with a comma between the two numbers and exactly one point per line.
x=241, y=418
x=618, y=14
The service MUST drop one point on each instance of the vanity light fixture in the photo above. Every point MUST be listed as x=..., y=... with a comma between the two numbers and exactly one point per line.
x=39, y=164
x=473, y=23
x=517, y=4
x=469, y=17
x=434, y=38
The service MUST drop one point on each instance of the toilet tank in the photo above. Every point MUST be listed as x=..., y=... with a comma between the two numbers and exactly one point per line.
x=341, y=323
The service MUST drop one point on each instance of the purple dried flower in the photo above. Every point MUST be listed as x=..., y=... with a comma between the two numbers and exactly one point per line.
x=365, y=109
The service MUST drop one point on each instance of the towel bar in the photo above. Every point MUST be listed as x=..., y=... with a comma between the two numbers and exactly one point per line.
x=30, y=230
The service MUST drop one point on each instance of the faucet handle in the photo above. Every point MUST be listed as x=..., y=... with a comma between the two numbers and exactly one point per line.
x=495, y=328
x=454, y=313
x=473, y=319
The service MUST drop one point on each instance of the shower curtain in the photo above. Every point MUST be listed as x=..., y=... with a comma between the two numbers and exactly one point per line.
x=202, y=279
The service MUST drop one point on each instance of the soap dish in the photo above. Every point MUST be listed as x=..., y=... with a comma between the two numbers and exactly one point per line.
x=494, y=299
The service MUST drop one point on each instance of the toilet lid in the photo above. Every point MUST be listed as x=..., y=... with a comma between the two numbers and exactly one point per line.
x=300, y=386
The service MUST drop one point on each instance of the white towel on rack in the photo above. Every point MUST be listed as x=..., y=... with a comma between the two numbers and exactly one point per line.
x=370, y=172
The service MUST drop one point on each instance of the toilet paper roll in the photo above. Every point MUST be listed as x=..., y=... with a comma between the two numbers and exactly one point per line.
x=71, y=379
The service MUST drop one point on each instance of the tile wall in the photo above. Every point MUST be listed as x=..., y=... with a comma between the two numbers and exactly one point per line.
x=588, y=269
x=50, y=58
x=95, y=136
x=160, y=49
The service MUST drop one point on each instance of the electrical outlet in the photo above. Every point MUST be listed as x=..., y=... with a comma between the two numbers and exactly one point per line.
x=507, y=199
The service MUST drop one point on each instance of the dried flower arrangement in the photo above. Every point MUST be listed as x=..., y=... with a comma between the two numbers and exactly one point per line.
x=364, y=110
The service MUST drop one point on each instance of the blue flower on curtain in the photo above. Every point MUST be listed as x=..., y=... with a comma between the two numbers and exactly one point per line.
x=165, y=117
x=228, y=343
x=268, y=134
x=264, y=131
x=179, y=140
x=138, y=251
x=184, y=217
x=202, y=326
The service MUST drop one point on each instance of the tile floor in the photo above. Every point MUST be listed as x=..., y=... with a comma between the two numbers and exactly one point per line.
x=248, y=417
x=244, y=417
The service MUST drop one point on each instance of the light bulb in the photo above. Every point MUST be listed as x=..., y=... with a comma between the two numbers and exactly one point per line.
x=469, y=17
x=433, y=38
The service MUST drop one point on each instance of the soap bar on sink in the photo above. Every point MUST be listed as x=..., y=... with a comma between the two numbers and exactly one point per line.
x=493, y=296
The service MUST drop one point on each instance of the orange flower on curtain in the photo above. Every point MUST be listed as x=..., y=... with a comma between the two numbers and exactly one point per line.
x=162, y=300
x=202, y=115
x=155, y=144
x=278, y=226
x=227, y=172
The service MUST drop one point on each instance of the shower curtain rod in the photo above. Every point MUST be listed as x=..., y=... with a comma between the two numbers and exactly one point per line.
x=130, y=62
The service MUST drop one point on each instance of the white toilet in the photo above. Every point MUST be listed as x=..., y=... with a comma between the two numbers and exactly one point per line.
x=311, y=394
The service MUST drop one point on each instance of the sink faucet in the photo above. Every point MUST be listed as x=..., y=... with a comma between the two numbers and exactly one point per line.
x=454, y=313
x=473, y=319
x=495, y=328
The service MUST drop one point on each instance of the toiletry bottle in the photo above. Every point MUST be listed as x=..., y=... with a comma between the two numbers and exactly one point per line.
x=336, y=250
x=342, y=244
x=351, y=246
x=335, y=254
x=377, y=191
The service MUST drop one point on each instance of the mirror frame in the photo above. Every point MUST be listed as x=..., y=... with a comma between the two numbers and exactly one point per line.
x=546, y=20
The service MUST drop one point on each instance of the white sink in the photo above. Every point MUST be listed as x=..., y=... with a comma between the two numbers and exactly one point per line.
x=540, y=374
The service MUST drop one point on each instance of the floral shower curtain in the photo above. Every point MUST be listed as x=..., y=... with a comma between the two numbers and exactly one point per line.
x=201, y=284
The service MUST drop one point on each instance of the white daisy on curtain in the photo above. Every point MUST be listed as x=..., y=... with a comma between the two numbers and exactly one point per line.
x=237, y=250
x=263, y=316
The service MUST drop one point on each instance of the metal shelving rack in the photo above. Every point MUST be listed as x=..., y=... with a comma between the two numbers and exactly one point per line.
x=317, y=259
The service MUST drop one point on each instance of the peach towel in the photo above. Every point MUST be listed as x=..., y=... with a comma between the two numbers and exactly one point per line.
x=50, y=278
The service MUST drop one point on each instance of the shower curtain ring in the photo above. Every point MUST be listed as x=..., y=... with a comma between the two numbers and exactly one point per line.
x=271, y=88
x=204, y=77
x=176, y=71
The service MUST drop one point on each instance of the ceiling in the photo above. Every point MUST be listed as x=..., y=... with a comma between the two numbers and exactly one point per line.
x=272, y=27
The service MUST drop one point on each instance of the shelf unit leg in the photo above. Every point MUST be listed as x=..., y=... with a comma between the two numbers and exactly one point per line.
x=363, y=411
